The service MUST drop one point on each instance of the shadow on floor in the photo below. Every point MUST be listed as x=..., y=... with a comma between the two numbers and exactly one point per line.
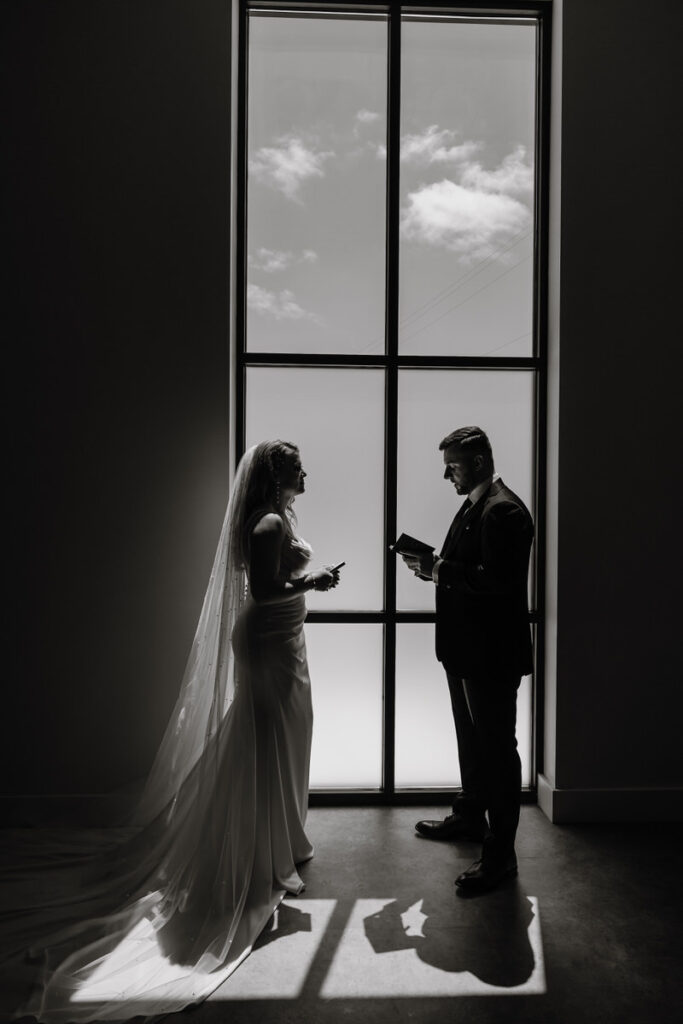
x=177, y=942
x=285, y=921
x=489, y=937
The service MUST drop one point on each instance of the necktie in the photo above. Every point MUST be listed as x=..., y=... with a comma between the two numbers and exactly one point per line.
x=459, y=516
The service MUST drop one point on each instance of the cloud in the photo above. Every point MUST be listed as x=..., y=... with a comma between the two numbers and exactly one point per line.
x=468, y=221
x=473, y=211
x=364, y=120
x=273, y=260
x=287, y=165
x=279, y=305
x=367, y=116
x=513, y=177
x=435, y=145
x=432, y=146
x=270, y=260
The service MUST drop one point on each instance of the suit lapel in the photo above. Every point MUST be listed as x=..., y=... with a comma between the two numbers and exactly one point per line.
x=467, y=516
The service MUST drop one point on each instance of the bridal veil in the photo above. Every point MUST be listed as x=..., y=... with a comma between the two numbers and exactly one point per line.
x=151, y=917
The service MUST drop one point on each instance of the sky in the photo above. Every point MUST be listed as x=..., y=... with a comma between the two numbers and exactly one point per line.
x=316, y=186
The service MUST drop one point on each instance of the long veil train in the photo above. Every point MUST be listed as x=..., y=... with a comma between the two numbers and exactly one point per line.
x=150, y=918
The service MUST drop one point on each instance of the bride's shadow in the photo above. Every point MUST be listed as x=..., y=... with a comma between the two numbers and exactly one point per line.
x=285, y=921
x=177, y=943
x=488, y=937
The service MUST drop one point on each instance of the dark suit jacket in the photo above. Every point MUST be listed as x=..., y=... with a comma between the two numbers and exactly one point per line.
x=482, y=613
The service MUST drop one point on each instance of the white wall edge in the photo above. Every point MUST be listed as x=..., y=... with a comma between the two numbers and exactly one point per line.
x=565, y=806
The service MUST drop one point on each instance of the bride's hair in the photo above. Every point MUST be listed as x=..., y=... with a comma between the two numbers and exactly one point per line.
x=267, y=464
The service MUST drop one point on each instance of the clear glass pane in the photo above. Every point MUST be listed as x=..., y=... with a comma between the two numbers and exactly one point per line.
x=316, y=184
x=336, y=417
x=467, y=184
x=432, y=403
x=345, y=661
x=426, y=747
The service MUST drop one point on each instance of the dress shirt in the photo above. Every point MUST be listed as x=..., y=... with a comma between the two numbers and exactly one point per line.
x=474, y=496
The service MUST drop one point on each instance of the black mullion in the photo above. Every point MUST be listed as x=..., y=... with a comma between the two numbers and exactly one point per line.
x=341, y=359
x=375, y=617
x=474, y=8
x=469, y=362
x=504, y=8
x=393, y=199
x=541, y=275
x=383, y=617
x=405, y=797
x=241, y=231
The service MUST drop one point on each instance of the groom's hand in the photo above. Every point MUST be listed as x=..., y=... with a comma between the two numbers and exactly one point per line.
x=421, y=565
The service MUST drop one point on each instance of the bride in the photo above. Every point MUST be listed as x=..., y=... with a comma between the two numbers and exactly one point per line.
x=158, y=915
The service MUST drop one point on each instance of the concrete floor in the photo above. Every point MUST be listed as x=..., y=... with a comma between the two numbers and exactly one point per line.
x=590, y=931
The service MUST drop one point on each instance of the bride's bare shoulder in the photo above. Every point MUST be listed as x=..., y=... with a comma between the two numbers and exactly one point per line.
x=270, y=524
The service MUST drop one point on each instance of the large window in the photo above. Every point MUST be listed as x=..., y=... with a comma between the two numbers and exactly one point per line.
x=390, y=287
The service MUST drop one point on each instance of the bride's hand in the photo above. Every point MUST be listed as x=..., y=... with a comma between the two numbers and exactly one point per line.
x=333, y=571
x=324, y=579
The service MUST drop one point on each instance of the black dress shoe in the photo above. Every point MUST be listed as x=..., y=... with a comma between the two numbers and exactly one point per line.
x=452, y=827
x=486, y=874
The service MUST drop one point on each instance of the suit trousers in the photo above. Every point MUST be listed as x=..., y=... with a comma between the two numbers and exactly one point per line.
x=485, y=715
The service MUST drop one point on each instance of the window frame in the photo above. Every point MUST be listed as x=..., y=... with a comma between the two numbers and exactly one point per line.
x=392, y=362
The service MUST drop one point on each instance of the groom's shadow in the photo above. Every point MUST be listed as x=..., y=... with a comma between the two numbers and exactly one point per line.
x=487, y=937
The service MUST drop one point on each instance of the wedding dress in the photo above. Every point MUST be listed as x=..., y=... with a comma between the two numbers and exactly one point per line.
x=153, y=917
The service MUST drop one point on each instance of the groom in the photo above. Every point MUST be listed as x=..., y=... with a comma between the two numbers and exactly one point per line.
x=483, y=641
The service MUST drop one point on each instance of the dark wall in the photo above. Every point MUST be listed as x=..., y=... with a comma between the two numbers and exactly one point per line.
x=116, y=187
x=619, y=664
x=116, y=168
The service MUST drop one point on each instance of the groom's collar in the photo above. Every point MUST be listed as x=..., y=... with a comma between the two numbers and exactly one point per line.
x=477, y=492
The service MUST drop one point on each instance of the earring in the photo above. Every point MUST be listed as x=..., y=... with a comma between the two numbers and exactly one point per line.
x=277, y=493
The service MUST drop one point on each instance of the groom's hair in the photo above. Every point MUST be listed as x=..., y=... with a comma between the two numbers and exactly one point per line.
x=472, y=441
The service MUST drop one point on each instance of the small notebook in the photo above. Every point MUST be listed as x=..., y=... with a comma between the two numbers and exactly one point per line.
x=407, y=545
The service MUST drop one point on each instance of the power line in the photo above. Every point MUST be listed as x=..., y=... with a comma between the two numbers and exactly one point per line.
x=471, y=296
x=453, y=287
x=477, y=269
x=519, y=337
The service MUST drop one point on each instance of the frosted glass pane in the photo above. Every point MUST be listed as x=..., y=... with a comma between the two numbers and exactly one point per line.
x=336, y=417
x=345, y=661
x=525, y=727
x=426, y=746
x=467, y=187
x=316, y=184
x=432, y=403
